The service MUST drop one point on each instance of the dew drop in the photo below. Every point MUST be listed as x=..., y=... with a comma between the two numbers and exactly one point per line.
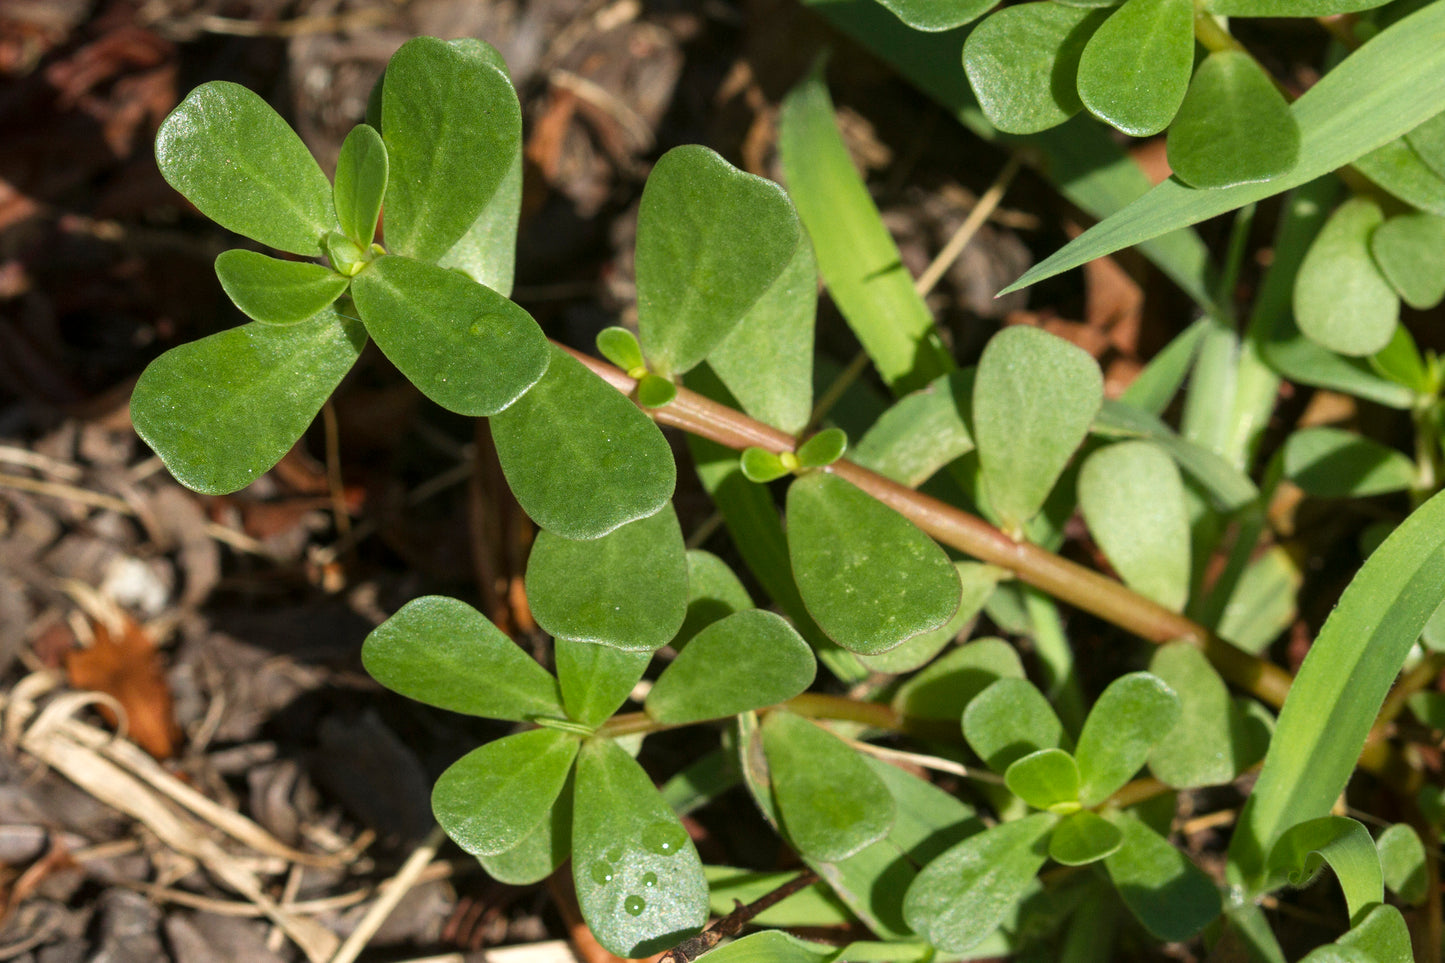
x=634, y=905
x=664, y=838
x=615, y=854
x=601, y=873
x=649, y=880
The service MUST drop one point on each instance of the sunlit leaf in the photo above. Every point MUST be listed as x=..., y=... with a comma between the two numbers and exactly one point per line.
x=934, y=15
x=745, y=661
x=1396, y=167
x=1341, y=300
x=541, y=851
x=1082, y=838
x=1234, y=126
x=361, y=175
x=596, y=679
x=1303, y=849
x=979, y=582
x=1132, y=497
x=1135, y=68
x=274, y=291
x=1382, y=934
x=492, y=798
x=1045, y=779
x=920, y=434
x=1023, y=62
x=1127, y=721
x=1008, y=720
x=1409, y=250
x=1199, y=750
x=1402, y=859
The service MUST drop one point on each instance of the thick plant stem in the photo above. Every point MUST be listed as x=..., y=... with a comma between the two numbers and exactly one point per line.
x=1067, y=581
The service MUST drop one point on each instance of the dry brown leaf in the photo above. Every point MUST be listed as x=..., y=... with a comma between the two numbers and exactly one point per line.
x=125, y=666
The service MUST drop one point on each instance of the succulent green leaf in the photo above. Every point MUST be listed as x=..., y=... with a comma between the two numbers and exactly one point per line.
x=639, y=880
x=771, y=946
x=1229, y=488
x=541, y=851
x=1289, y=8
x=761, y=466
x=582, y=459
x=1429, y=706
x=1201, y=749
x=1409, y=250
x=1128, y=720
x=1134, y=70
x=1333, y=463
x=1172, y=897
x=1400, y=360
x=275, y=291
x=745, y=661
x=361, y=175
x=444, y=653
x=627, y=589
x=1008, y=720
x=1402, y=859
x=920, y=434
x=1383, y=89
x=453, y=129
x=1397, y=169
x=830, y=802
x=1382, y=934
x=779, y=326
x=1034, y=397
x=492, y=798
x=223, y=410
x=1341, y=684
x=979, y=582
x=1084, y=837
x=1133, y=500
x=942, y=690
x=713, y=592
x=1345, y=844
x=1046, y=779
x=824, y=448
x=596, y=679
x=711, y=240
x=868, y=576
x=463, y=345
x=620, y=346
x=1334, y=953
x=936, y=15
x=1428, y=140
x=233, y=157
x=857, y=257
x=1023, y=63
x=1341, y=300
x=960, y=897
x=654, y=391
x=1234, y=126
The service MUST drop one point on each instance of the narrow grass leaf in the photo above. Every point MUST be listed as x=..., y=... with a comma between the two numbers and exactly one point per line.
x=1132, y=497
x=964, y=894
x=1128, y=720
x=639, y=881
x=1234, y=126
x=1154, y=388
x=857, y=257
x=869, y=577
x=1023, y=63
x=1008, y=720
x=361, y=175
x=943, y=689
x=223, y=410
x=1165, y=891
x=1333, y=463
x=830, y=803
x=1382, y=90
x=492, y=798
x=1228, y=487
x=274, y=291
x=233, y=157
x=814, y=905
x=1428, y=140
x=1034, y=397
x=453, y=128
x=463, y=345
x=1409, y=250
x=1199, y=750
x=711, y=240
x=596, y=679
x=1402, y=859
x=1343, y=843
x=1084, y=837
x=1134, y=70
x=1045, y=779
x=979, y=582
x=1342, y=683
x=745, y=661
x=541, y=851
x=580, y=457
x=627, y=589
x=445, y=653
x=1290, y=8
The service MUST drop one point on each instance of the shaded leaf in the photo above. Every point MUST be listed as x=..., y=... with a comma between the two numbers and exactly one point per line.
x=1341, y=301
x=1333, y=463
x=713, y=592
x=868, y=576
x=830, y=803
x=222, y=411
x=541, y=851
x=1134, y=70
x=1008, y=720
x=274, y=291
x=1343, y=843
x=639, y=880
x=934, y=15
x=596, y=679
x=770, y=946
x=1199, y=750
x=1082, y=838
x=1402, y=860
x=1046, y=779
x=1289, y=8
x=1396, y=167
x=1409, y=250
x=463, y=345
x=1023, y=62
x=453, y=129
x=233, y=157
x=492, y=798
x=627, y=589
x=745, y=661
x=1428, y=140
x=444, y=653
x=960, y=897
x=1034, y=397
x=580, y=457
x=922, y=432
x=1172, y=897
x=1382, y=934
x=1128, y=720
x=361, y=175
x=1234, y=126
x=945, y=688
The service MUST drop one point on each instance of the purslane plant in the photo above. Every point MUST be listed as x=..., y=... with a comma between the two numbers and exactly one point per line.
x=726, y=275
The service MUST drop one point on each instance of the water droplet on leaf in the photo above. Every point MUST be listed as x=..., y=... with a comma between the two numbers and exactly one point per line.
x=664, y=838
x=649, y=879
x=615, y=854
x=601, y=873
x=634, y=905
